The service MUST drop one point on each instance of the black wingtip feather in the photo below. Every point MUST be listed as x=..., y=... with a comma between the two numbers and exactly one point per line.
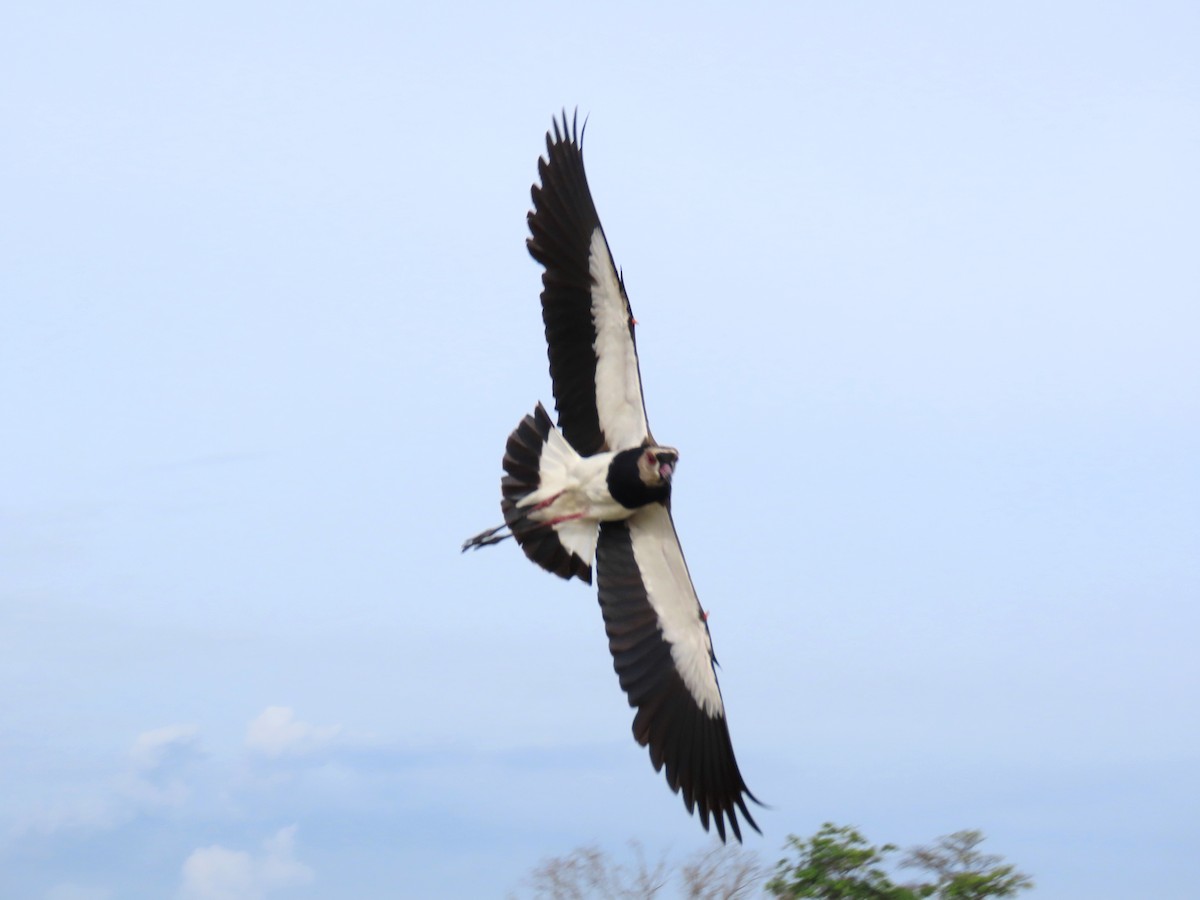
x=691, y=745
x=561, y=226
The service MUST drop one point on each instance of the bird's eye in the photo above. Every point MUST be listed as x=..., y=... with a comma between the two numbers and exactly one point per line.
x=649, y=457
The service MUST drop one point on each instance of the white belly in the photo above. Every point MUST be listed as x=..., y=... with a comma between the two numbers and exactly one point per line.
x=572, y=486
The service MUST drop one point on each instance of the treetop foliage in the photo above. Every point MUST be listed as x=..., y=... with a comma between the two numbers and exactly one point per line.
x=836, y=863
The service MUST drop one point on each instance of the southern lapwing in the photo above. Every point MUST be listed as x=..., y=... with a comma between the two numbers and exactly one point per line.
x=598, y=489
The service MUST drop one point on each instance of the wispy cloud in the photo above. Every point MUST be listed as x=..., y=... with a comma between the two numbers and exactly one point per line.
x=276, y=732
x=218, y=873
x=161, y=759
x=167, y=770
x=163, y=747
x=151, y=780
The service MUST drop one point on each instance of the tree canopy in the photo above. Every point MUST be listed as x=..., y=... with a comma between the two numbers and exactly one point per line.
x=836, y=863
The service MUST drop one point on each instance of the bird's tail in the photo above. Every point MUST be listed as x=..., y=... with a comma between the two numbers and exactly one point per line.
x=536, y=460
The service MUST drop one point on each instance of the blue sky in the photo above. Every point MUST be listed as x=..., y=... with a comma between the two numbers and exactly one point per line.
x=919, y=303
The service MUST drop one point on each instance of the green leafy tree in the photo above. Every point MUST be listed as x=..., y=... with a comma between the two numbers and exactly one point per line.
x=837, y=863
x=963, y=873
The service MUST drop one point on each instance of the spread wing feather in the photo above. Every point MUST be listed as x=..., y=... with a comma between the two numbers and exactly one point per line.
x=589, y=324
x=662, y=653
x=656, y=629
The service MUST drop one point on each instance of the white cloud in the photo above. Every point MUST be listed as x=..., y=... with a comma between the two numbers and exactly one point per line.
x=218, y=873
x=165, y=746
x=275, y=731
x=152, y=780
x=160, y=760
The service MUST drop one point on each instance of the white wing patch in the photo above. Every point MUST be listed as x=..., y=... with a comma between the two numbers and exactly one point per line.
x=618, y=385
x=669, y=587
x=579, y=537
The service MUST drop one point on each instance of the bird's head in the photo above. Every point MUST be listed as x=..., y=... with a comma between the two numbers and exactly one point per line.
x=657, y=464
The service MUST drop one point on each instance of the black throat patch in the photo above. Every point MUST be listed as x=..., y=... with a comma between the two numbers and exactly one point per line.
x=626, y=485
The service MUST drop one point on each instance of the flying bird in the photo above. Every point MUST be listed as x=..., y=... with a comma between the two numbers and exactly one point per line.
x=596, y=490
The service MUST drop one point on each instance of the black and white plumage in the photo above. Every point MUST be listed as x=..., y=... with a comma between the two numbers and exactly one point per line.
x=597, y=489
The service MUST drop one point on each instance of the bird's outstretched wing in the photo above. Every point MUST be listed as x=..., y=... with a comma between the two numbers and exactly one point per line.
x=589, y=325
x=662, y=652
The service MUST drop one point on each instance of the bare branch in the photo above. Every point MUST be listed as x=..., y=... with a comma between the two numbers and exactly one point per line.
x=725, y=873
